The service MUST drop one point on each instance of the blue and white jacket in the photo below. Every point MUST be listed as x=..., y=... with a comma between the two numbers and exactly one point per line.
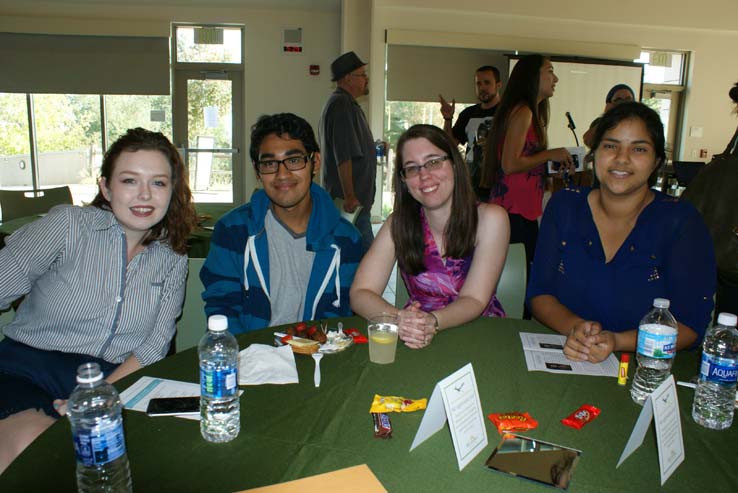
x=236, y=272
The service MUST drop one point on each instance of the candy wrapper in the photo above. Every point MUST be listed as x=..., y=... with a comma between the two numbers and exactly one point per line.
x=382, y=425
x=392, y=404
x=514, y=421
x=581, y=416
x=357, y=336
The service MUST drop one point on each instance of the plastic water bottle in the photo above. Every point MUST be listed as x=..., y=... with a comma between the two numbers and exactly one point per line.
x=220, y=416
x=97, y=428
x=657, y=338
x=714, y=397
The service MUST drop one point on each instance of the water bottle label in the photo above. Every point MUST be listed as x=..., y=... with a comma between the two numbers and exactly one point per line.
x=102, y=444
x=718, y=370
x=218, y=383
x=661, y=346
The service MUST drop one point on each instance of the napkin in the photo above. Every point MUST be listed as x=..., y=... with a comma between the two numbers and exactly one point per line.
x=259, y=364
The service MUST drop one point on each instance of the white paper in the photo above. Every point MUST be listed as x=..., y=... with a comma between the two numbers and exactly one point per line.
x=668, y=427
x=544, y=352
x=433, y=419
x=639, y=431
x=464, y=412
x=210, y=114
x=261, y=364
x=456, y=399
x=663, y=406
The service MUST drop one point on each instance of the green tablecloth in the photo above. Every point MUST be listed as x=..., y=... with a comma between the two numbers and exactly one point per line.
x=293, y=431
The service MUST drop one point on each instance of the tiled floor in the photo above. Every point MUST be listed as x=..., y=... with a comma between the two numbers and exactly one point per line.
x=389, y=291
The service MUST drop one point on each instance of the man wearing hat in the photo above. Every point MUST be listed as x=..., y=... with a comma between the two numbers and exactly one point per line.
x=349, y=159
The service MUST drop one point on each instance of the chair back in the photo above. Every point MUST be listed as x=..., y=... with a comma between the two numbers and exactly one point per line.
x=510, y=288
x=685, y=171
x=192, y=324
x=5, y=318
x=22, y=203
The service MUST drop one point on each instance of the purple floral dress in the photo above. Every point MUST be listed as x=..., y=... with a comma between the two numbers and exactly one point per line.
x=440, y=284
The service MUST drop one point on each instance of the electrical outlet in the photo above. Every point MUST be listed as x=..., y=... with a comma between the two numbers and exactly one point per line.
x=695, y=153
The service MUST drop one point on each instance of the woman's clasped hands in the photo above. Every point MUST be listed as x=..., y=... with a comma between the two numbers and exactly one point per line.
x=587, y=341
x=416, y=327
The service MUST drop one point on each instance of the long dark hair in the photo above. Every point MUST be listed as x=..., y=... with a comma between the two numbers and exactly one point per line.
x=652, y=122
x=180, y=218
x=522, y=90
x=407, y=231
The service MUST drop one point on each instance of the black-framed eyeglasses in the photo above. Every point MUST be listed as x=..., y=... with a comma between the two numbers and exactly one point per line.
x=292, y=163
x=412, y=171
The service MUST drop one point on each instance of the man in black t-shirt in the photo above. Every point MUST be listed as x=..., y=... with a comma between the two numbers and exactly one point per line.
x=473, y=123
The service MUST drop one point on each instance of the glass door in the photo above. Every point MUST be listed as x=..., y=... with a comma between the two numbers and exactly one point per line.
x=207, y=128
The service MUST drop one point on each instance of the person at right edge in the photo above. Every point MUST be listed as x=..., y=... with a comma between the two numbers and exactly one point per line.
x=349, y=156
x=515, y=158
x=714, y=191
x=605, y=253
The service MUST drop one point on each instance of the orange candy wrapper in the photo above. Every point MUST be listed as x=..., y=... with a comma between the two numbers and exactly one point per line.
x=393, y=404
x=514, y=421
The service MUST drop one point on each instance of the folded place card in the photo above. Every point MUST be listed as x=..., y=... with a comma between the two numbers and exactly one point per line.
x=456, y=399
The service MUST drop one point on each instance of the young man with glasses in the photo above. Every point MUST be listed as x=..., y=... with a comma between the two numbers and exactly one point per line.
x=350, y=161
x=287, y=255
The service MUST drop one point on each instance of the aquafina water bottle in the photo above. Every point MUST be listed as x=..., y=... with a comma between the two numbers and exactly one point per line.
x=220, y=418
x=657, y=340
x=714, y=397
x=94, y=410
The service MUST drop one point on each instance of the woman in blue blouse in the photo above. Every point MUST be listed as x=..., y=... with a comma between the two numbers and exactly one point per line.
x=604, y=254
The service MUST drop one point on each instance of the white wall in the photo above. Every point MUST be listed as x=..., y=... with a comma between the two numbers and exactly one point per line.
x=706, y=29
x=274, y=82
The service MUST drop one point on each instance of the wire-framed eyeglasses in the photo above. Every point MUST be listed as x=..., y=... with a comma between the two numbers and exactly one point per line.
x=413, y=171
x=292, y=163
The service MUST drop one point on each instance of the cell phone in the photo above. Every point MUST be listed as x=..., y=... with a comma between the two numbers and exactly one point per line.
x=173, y=406
x=577, y=155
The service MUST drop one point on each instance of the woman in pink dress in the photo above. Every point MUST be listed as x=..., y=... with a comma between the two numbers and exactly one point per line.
x=450, y=249
x=515, y=157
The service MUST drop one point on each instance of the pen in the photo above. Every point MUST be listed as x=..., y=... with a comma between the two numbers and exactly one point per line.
x=694, y=386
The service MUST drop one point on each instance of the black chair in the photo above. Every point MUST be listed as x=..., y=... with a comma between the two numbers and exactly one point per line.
x=685, y=171
x=21, y=203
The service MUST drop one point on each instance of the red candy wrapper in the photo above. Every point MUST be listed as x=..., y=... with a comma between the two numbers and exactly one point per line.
x=357, y=336
x=581, y=416
x=513, y=421
x=382, y=425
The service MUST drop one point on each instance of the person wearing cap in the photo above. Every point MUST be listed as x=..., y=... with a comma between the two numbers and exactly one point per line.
x=619, y=93
x=349, y=159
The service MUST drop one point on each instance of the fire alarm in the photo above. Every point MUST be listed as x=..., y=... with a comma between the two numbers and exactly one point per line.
x=314, y=69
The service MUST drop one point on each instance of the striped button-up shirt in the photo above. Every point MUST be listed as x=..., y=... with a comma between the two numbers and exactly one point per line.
x=82, y=296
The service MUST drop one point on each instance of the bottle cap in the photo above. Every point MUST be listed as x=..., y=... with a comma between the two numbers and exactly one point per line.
x=661, y=303
x=89, y=373
x=727, y=319
x=624, y=358
x=217, y=323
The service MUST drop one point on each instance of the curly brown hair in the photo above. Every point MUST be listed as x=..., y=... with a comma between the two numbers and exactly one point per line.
x=180, y=218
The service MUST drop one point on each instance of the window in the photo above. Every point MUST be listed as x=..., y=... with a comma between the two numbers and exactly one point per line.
x=399, y=116
x=664, y=81
x=69, y=136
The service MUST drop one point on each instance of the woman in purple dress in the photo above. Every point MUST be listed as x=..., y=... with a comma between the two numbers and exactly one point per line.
x=450, y=249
